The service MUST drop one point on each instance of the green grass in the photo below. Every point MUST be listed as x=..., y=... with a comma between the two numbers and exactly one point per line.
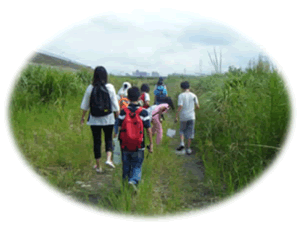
x=240, y=126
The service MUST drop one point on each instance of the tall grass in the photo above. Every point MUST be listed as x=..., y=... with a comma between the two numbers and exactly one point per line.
x=240, y=127
x=58, y=148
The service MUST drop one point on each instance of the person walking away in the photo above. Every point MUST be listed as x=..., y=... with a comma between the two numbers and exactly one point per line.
x=186, y=108
x=162, y=81
x=132, y=122
x=101, y=99
x=160, y=93
x=145, y=97
x=123, y=90
x=123, y=102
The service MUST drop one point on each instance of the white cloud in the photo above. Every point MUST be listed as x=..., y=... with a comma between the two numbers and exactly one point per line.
x=167, y=41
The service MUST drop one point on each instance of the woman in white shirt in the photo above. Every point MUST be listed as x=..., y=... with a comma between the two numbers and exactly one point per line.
x=105, y=123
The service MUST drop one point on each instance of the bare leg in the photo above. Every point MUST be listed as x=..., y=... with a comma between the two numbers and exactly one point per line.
x=182, y=139
x=98, y=163
x=189, y=143
x=108, y=155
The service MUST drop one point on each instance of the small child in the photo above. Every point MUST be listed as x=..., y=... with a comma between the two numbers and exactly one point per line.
x=145, y=97
x=186, y=107
x=131, y=119
x=123, y=102
x=123, y=90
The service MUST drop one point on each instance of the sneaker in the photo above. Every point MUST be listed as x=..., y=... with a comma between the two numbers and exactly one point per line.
x=132, y=184
x=182, y=152
x=181, y=147
x=189, y=151
x=98, y=170
x=109, y=163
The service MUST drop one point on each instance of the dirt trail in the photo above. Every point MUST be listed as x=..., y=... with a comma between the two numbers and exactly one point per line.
x=191, y=171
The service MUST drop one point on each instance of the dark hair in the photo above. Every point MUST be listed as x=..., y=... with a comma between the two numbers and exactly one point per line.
x=125, y=86
x=133, y=93
x=169, y=102
x=160, y=81
x=100, y=75
x=145, y=88
x=185, y=85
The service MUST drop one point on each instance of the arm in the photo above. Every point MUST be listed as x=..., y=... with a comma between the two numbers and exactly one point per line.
x=179, y=109
x=82, y=117
x=149, y=133
x=85, y=104
x=180, y=106
x=114, y=100
x=147, y=100
x=196, y=102
x=116, y=113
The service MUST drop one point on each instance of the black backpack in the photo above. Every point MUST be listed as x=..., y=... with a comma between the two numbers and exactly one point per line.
x=100, y=104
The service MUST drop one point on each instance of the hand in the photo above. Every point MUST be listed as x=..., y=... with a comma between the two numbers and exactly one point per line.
x=150, y=148
x=82, y=121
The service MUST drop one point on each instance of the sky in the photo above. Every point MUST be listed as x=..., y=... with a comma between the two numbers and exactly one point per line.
x=168, y=41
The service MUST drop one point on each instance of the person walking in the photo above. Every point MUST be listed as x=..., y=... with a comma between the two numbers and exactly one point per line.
x=132, y=122
x=101, y=99
x=160, y=93
x=186, y=108
x=123, y=90
x=145, y=97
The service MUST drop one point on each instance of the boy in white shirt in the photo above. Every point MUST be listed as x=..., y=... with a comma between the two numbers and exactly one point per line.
x=186, y=108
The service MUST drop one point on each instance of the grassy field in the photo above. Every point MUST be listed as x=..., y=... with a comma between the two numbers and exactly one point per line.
x=240, y=127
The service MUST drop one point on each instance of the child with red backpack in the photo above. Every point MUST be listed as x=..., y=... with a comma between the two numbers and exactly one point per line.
x=145, y=97
x=132, y=122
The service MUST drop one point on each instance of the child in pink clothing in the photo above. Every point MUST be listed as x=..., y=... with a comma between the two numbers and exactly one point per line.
x=157, y=111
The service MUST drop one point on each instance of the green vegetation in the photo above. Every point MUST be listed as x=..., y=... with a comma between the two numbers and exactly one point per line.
x=240, y=127
x=40, y=58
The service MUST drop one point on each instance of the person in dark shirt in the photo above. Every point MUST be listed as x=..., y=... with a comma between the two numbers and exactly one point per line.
x=132, y=160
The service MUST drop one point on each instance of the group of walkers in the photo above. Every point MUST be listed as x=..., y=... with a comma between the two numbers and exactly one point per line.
x=127, y=114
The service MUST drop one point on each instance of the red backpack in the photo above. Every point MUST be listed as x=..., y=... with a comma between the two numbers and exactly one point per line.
x=132, y=130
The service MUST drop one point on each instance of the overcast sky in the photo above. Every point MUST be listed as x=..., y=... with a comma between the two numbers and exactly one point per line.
x=167, y=41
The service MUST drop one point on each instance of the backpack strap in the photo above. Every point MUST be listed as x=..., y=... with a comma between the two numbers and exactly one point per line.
x=127, y=111
x=139, y=110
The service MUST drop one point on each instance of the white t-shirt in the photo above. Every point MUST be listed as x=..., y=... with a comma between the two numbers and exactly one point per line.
x=147, y=97
x=187, y=100
x=104, y=120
